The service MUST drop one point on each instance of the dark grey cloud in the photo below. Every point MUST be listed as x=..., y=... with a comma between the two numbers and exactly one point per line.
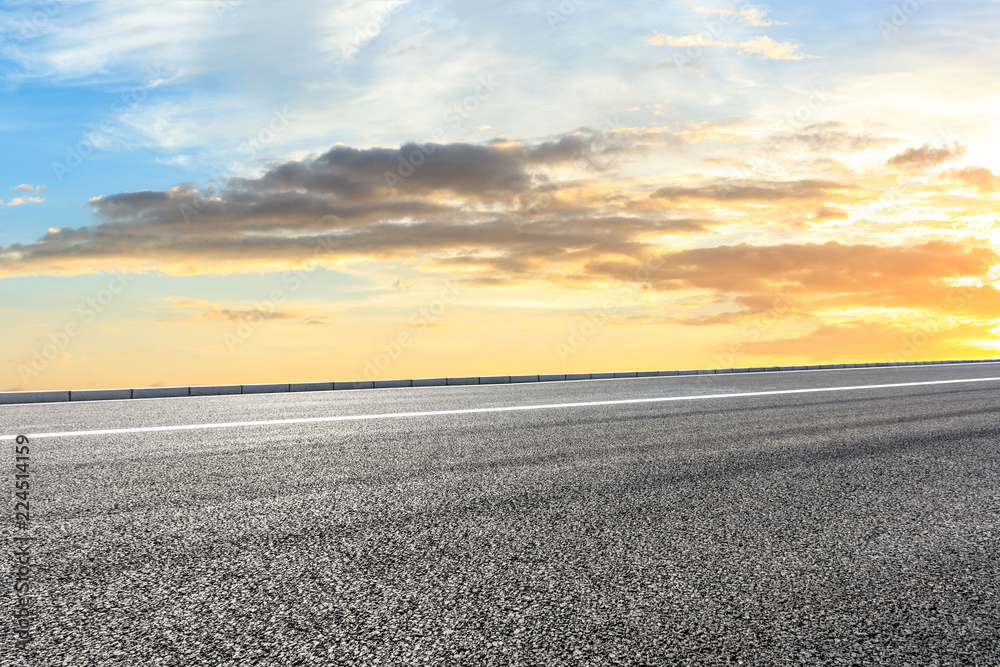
x=241, y=208
x=340, y=205
x=359, y=186
x=926, y=156
x=590, y=147
x=348, y=202
x=352, y=173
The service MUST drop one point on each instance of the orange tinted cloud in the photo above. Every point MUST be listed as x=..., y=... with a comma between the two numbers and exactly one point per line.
x=875, y=341
x=815, y=268
x=980, y=177
x=830, y=213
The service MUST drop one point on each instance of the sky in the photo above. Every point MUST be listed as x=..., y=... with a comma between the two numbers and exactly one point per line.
x=227, y=191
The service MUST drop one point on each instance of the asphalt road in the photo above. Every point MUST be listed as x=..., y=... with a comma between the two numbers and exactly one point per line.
x=852, y=527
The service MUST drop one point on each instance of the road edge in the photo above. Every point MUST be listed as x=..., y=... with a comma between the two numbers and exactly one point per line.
x=75, y=395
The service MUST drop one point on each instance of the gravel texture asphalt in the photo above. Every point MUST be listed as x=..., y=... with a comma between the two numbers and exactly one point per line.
x=843, y=528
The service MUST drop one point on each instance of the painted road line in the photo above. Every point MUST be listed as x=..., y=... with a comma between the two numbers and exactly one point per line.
x=511, y=408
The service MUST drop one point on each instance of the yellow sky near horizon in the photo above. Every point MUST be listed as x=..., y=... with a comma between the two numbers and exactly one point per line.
x=565, y=270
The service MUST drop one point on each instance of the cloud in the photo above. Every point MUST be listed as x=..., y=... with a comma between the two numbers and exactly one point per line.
x=931, y=295
x=875, y=341
x=82, y=39
x=583, y=145
x=831, y=137
x=348, y=201
x=980, y=177
x=805, y=282
x=354, y=174
x=750, y=15
x=213, y=312
x=21, y=201
x=811, y=268
x=684, y=41
x=176, y=160
x=764, y=47
x=488, y=171
x=751, y=308
x=190, y=303
x=506, y=214
x=926, y=156
x=767, y=48
x=830, y=213
x=756, y=190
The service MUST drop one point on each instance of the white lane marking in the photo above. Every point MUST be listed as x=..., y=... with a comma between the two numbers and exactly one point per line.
x=511, y=408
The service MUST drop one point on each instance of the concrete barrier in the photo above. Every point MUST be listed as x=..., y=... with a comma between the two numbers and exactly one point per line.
x=161, y=392
x=279, y=388
x=354, y=384
x=430, y=382
x=311, y=386
x=99, y=394
x=20, y=397
x=392, y=384
x=216, y=390
x=16, y=397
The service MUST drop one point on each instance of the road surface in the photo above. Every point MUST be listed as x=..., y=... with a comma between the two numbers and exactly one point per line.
x=809, y=517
